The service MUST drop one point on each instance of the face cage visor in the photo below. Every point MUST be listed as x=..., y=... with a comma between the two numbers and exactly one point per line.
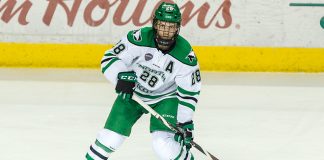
x=166, y=32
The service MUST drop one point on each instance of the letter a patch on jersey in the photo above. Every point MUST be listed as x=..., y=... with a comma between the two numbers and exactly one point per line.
x=169, y=68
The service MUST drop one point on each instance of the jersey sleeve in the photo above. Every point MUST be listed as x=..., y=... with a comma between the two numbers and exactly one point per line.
x=188, y=90
x=117, y=59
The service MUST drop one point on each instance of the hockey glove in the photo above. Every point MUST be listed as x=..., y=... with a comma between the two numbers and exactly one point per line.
x=185, y=136
x=125, y=85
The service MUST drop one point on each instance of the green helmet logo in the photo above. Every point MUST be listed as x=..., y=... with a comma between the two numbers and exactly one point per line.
x=168, y=12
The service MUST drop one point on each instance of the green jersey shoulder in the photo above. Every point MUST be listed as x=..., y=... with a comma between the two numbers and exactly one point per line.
x=182, y=51
x=142, y=37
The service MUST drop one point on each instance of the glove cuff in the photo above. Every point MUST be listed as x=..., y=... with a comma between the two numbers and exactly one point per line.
x=187, y=125
x=127, y=76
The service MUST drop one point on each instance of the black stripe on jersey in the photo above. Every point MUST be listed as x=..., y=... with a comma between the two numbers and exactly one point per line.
x=108, y=59
x=191, y=98
x=98, y=154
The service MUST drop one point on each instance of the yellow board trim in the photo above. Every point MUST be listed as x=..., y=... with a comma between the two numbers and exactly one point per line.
x=210, y=58
x=51, y=55
x=263, y=59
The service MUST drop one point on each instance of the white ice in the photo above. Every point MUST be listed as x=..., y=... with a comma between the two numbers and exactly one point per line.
x=51, y=114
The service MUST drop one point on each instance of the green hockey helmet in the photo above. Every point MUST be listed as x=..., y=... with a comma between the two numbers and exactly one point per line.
x=166, y=24
x=168, y=12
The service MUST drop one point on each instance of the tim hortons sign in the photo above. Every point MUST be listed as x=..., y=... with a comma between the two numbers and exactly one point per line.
x=221, y=16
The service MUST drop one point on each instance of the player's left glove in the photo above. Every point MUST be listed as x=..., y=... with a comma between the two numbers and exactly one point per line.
x=185, y=136
x=125, y=85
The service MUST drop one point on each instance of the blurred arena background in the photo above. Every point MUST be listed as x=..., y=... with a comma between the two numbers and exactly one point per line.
x=262, y=63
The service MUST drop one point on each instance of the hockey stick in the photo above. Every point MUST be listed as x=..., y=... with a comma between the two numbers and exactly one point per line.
x=175, y=129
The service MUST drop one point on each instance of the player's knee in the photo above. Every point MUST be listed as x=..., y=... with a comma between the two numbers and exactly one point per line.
x=110, y=138
x=106, y=143
x=164, y=145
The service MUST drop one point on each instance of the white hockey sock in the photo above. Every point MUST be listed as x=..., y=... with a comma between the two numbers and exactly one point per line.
x=106, y=143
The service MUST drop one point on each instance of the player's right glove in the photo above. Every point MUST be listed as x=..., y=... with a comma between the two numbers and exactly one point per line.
x=185, y=136
x=125, y=85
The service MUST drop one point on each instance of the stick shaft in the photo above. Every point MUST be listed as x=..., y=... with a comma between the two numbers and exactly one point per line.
x=165, y=122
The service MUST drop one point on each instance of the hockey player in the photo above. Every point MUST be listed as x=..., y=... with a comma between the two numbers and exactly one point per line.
x=159, y=66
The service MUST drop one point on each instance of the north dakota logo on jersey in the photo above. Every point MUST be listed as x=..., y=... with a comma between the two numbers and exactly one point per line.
x=191, y=57
x=137, y=35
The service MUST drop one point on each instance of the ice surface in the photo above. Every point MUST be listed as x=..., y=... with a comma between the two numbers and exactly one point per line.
x=50, y=114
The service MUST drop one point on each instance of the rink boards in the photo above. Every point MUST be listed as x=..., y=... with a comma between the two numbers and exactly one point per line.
x=211, y=58
x=227, y=35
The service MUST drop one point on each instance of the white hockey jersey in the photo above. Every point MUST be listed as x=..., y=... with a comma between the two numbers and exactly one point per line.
x=159, y=75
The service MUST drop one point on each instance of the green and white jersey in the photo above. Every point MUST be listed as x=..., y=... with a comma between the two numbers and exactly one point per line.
x=159, y=75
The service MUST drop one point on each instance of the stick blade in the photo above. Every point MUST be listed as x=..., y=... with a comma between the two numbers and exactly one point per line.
x=199, y=148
